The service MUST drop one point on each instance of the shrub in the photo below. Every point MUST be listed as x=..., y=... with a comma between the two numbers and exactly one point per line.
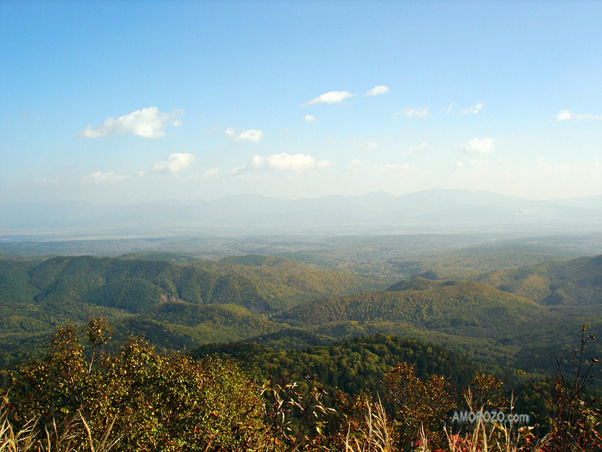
x=150, y=401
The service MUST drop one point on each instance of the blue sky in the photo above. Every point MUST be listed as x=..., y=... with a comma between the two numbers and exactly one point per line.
x=119, y=102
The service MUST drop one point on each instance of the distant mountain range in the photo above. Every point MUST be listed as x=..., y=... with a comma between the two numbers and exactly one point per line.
x=433, y=210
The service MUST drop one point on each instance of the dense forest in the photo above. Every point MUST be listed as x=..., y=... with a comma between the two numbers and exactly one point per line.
x=258, y=352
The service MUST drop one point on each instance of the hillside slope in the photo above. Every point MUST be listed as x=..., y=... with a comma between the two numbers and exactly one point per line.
x=577, y=282
x=422, y=303
x=185, y=304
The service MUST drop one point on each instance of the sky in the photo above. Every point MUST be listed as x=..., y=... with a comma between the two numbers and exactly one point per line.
x=118, y=102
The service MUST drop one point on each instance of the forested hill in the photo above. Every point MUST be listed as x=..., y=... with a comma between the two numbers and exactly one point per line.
x=352, y=365
x=258, y=283
x=176, y=304
x=577, y=282
x=495, y=328
x=420, y=302
x=183, y=303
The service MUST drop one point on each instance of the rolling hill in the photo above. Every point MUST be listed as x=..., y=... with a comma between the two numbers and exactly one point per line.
x=506, y=320
x=421, y=303
x=577, y=282
x=184, y=304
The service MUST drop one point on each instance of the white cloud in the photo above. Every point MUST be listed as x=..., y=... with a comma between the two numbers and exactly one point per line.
x=371, y=145
x=564, y=115
x=410, y=112
x=396, y=167
x=253, y=135
x=377, y=90
x=310, y=118
x=29, y=117
x=284, y=162
x=229, y=132
x=211, y=173
x=479, y=146
x=331, y=97
x=472, y=165
x=567, y=115
x=174, y=163
x=417, y=148
x=146, y=123
x=473, y=110
x=99, y=177
x=376, y=171
x=356, y=164
x=45, y=181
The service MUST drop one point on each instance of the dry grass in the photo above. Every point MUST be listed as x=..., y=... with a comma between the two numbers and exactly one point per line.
x=377, y=436
x=75, y=436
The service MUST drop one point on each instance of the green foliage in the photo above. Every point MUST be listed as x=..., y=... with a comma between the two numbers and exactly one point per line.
x=574, y=282
x=353, y=366
x=183, y=305
x=187, y=304
x=80, y=397
x=151, y=401
x=296, y=418
x=432, y=304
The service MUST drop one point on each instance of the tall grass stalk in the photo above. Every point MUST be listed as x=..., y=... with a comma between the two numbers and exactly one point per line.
x=73, y=437
x=377, y=436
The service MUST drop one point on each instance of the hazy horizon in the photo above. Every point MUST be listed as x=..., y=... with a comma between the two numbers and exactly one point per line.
x=115, y=103
x=317, y=197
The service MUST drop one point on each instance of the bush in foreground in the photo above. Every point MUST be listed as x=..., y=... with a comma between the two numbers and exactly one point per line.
x=146, y=400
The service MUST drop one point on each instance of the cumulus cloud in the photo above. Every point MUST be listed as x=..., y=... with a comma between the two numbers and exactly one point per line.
x=377, y=90
x=473, y=110
x=284, y=162
x=229, y=132
x=310, y=118
x=410, y=112
x=253, y=135
x=568, y=115
x=146, y=123
x=331, y=97
x=174, y=163
x=479, y=146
